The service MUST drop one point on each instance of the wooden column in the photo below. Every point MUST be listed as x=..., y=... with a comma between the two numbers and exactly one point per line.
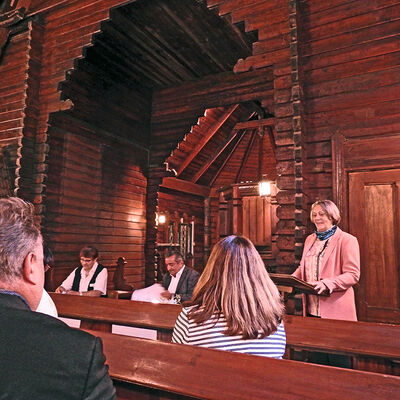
x=223, y=217
x=300, y=216
x=237, y=218
x=207, y=228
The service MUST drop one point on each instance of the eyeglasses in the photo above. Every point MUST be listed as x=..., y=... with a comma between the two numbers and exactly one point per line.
x=86, y=260
x=47, y=267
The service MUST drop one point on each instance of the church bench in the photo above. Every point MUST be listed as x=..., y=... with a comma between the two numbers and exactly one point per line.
x=373, y=346
x=155, y=369
x=101, y=313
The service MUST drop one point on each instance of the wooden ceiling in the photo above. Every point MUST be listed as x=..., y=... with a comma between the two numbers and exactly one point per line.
x=216, y=153
x=160, y=43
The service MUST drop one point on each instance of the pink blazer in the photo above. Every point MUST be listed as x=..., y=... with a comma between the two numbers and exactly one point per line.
x=339, y=270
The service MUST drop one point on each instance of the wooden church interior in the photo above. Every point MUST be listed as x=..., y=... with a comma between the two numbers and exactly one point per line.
x=137, y=126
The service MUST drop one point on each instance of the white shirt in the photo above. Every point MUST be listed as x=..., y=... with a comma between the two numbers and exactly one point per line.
x=100, y=283
x=174, y=281
x=47, y=306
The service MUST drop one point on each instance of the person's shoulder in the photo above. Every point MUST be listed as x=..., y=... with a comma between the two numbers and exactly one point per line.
x=191, y=270
x=48, y=323
x=346, y=235
x=311, y=237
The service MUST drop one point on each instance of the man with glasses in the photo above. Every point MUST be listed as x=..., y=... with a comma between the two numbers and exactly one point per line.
x=90, y=279
x=40, y=356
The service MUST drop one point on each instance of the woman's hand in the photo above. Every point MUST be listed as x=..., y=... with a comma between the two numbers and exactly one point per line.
x=319, y=286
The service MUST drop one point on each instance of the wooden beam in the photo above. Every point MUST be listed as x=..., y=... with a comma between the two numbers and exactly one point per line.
x=257, y=123
x=246, y=155
x=206, y=138
x=207, y=164
x=226, y=161
x=185, y=186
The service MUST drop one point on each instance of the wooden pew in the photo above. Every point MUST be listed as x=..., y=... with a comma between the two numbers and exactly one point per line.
x=374, y=347
x=150, y=369
x=100, y=313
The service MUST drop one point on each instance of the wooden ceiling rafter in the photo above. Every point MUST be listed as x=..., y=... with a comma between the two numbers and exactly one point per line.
x=132, y=57
x=168, y=47
x=185, y=186
x=155, y=51
x=208, y=136
x=191, y=34
x=221, y=168
x=246, y=155
x=256, y=123
x=211, y=159
x=132, y=54
x=96, y=55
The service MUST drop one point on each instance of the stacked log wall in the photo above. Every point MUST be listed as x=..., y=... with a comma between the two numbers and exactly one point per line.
x=115, y=220
x=13, y=85
x=272, y=20
x=351, y=62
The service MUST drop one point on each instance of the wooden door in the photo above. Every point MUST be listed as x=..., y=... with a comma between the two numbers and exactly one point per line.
x=374, y=218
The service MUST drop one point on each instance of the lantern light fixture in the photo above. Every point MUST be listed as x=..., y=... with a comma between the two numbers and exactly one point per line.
x=264, y=188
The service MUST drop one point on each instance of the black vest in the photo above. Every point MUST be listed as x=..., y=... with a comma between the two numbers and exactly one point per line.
x=77, y=278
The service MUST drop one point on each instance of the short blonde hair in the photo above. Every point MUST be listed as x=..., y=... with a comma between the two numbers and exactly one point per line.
x=236, y=284
x=330, y=209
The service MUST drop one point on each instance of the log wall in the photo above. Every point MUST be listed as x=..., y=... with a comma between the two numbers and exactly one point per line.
x=97, y=171
x=321, y=68
x=351, y=68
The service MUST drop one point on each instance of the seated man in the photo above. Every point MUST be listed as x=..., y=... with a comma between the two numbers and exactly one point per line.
x=90, y=279
x=180, y=280
x=40, y=356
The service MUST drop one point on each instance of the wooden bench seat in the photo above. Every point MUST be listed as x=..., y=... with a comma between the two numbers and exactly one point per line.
x=375, y=347
x=201, y=373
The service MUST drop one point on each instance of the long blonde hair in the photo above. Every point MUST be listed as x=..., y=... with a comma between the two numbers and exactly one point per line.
x=235, y=284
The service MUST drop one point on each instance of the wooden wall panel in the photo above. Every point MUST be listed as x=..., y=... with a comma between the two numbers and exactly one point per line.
x=13, y=69
x=97, y=170
x=351, y=67
x=96, y=195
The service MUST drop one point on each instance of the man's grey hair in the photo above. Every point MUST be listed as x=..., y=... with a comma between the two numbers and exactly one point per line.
x=19, y=234
x=178, y=255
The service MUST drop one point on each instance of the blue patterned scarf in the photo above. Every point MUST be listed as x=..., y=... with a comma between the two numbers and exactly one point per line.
x=327, y=234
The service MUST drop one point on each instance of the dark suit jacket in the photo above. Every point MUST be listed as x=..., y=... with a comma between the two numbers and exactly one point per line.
x=42, y=358
x=186, y=283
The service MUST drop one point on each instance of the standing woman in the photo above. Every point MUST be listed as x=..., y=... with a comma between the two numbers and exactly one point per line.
x=330, y=262
x=235, y=305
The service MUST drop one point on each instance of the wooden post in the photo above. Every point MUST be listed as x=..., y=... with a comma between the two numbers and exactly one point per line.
x=207, y=228
x=237, y=220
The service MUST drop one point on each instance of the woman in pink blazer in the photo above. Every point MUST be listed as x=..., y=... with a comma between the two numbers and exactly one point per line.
x=330, y=262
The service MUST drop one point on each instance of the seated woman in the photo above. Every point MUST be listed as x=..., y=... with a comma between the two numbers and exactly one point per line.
x=235, y=305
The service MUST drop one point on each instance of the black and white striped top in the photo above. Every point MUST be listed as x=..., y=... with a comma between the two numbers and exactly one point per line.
x=209, y=334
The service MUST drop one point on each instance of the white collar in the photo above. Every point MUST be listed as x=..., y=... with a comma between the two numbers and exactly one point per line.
x=178, y=274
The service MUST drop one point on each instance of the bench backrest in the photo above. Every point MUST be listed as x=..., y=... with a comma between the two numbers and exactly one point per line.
x=217, y=375
x=364, y=340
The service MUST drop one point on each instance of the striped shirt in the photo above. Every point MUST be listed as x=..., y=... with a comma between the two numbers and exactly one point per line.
x=210, y=334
